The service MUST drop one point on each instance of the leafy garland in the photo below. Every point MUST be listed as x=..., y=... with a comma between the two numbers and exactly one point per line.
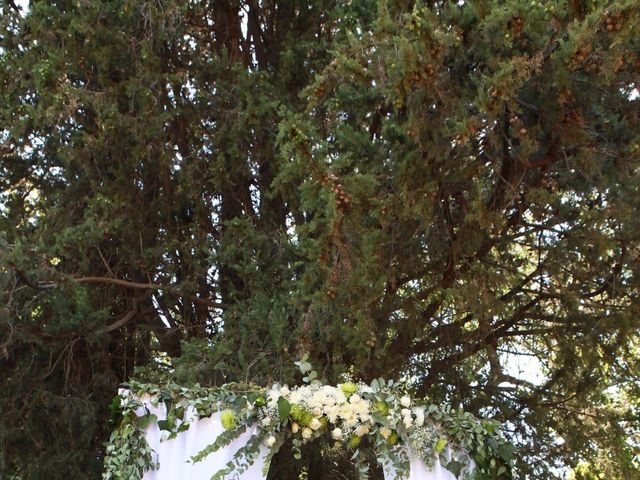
x=470, y=448
x=128, y=454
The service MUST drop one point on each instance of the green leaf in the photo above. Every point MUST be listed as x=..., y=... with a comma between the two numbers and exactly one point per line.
x=146, y=420
x=284, y=407
x=305, y=367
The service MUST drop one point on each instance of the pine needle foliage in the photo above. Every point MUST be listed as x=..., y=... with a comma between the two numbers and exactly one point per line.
x=435, y=190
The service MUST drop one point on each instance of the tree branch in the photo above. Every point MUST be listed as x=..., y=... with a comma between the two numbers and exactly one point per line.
x=112, y=281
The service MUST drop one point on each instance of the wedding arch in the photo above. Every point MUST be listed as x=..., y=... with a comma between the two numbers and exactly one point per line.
x=166, y=431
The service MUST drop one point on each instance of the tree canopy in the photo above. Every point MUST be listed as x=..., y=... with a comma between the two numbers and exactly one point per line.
x=440, y=191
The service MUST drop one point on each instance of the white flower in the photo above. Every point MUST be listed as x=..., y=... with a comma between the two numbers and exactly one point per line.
x=320, y=397
x=306, y=433
x=361, y=430
x=295, y=397
x=274, y=395
x=336, y=434
x=317, y=411
x=408, y=421
x=405, y=412
x=330, y=402
x=266, y=421
x=385, y=432
x=295, y=428
x=333, y=413
x=329, y=395
x=346, y=411
x=305, y=392
x=362, y=408
x=355, y=398
x=340, y=396
x=271, y=441
x=348, y=415
x=315, y=424
x=284, y=391
x=419, y=413
x=405, y=401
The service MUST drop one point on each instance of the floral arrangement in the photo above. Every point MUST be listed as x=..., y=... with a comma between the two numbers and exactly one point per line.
x=390, y=421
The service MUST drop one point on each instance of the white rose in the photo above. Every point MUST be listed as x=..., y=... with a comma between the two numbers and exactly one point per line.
x=285, y=391
x=295, y=428
x=355, y=398
x=307, y=433
x=271, y=441
x=336, y=434
x=405, y=401
x=408, y=421
x=405, y=412
x=315, y=424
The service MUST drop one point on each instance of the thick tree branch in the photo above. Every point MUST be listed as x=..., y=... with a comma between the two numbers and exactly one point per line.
x=113, y=281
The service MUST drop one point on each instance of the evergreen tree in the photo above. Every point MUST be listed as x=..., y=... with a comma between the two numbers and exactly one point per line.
x=204, y=190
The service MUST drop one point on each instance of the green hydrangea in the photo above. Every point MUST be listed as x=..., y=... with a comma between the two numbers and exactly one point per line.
x=300, y=415
x=349, y=388
x=228, y=419
x=382, y=407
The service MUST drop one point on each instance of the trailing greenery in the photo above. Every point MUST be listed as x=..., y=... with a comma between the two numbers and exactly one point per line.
x=128, y=454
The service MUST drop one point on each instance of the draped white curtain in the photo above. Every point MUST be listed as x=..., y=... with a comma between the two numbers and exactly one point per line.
x=174, y=455
x=420, y=471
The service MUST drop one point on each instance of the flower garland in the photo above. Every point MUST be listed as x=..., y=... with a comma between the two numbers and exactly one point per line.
x=348, y=413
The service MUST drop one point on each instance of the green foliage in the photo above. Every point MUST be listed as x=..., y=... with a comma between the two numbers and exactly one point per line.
x=438, y=191
x=221, y=441
x=128, y=454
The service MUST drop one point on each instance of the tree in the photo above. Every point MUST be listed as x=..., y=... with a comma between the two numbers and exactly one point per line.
x=207, y=189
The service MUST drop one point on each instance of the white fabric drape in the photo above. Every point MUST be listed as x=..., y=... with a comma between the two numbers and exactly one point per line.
x=173, y=455
x=420, y=471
